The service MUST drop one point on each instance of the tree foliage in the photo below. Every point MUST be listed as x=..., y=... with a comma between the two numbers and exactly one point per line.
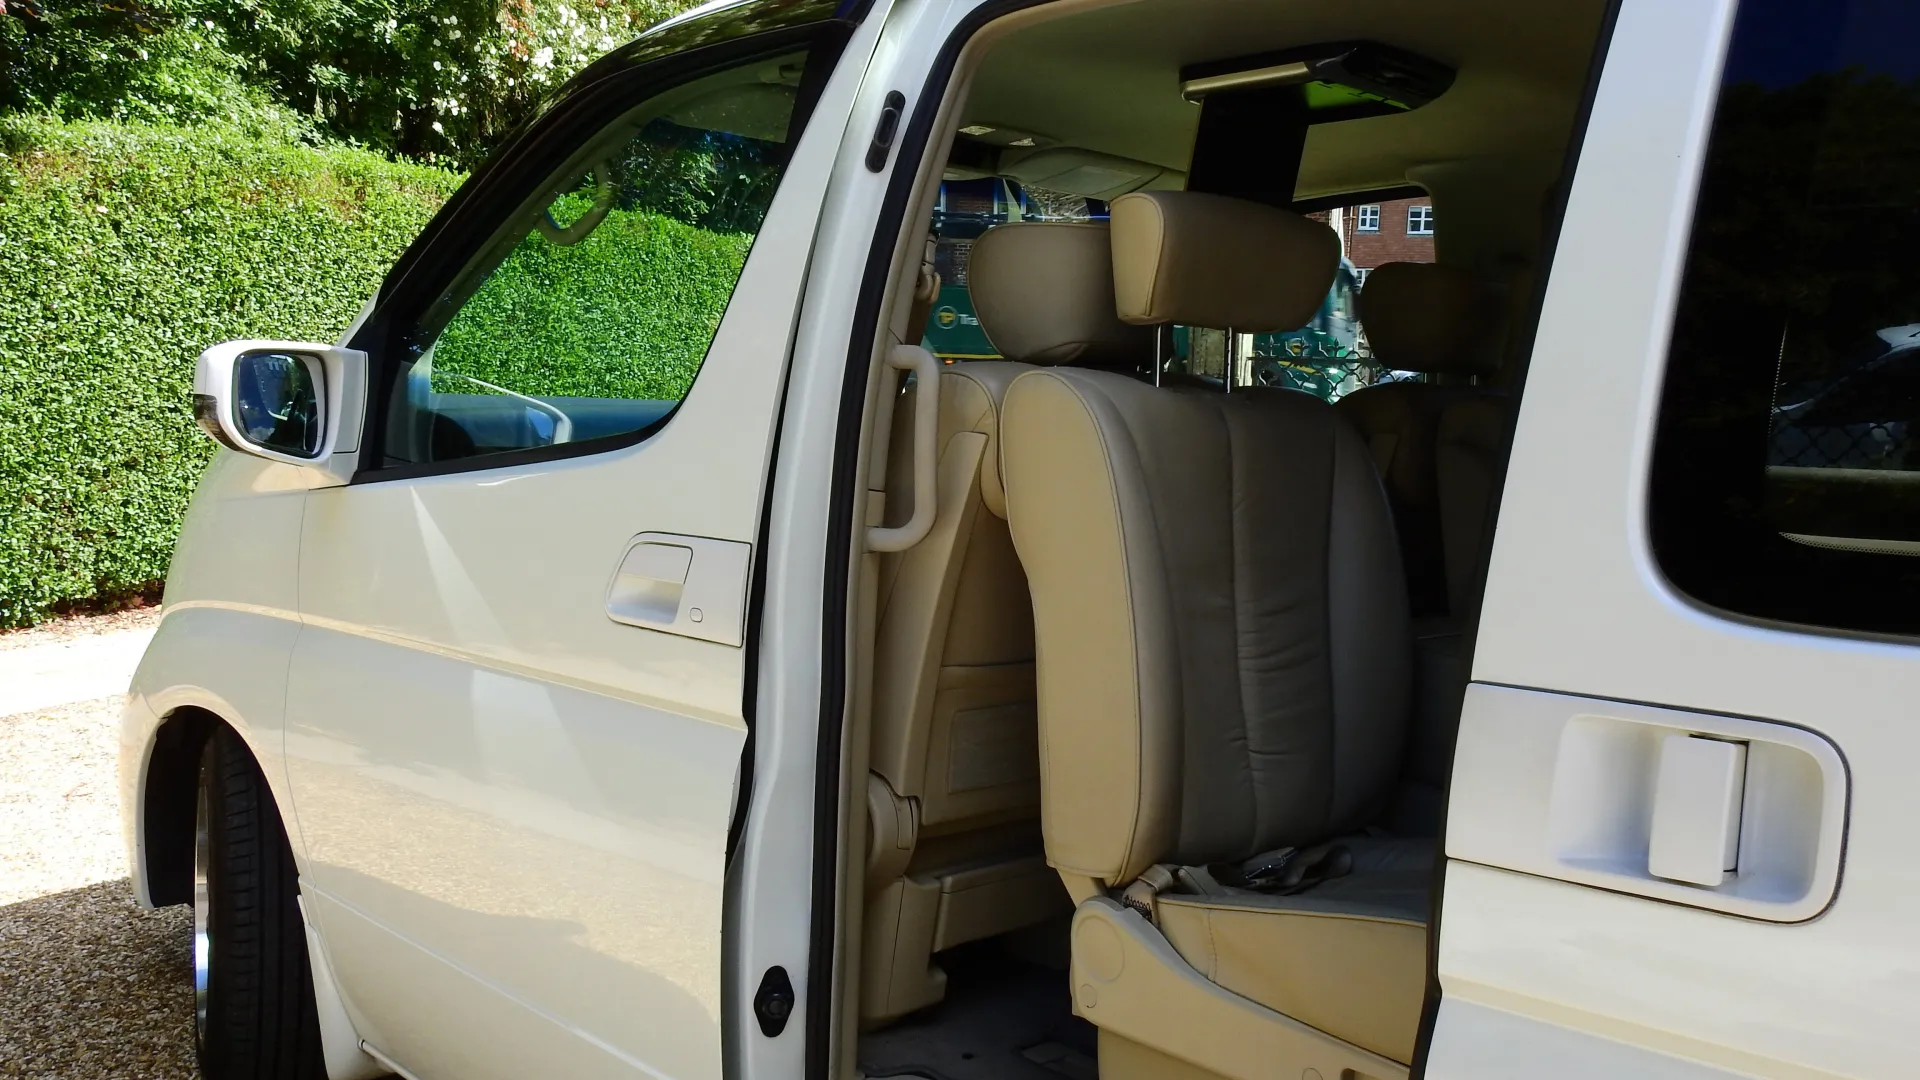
x=433, y=80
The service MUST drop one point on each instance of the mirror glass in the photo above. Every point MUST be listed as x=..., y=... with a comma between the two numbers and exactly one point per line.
x=276, y=402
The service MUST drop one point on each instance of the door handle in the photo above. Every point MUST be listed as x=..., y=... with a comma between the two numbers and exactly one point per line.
x=1697, y=798
x=1727, y=813
x=687, y=585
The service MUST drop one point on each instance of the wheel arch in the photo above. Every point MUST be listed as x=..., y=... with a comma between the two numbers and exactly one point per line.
x=168, y=790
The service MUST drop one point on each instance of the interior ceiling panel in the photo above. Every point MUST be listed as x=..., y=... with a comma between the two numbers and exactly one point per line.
x=1108, y=79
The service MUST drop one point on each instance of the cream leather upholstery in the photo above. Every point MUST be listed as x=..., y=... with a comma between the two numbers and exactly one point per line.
x=1208, y=260
x=1446, y=322
x=1349, y=957
x=1439, y=321
x=1201, y=697
x=1431, y=317
x=1044, y=293
x=1224, y=658
x=954, y=796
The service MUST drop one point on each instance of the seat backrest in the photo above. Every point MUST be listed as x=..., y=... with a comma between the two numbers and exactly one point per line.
x=953, y=722
x=1439, y=321
x=1220, y=614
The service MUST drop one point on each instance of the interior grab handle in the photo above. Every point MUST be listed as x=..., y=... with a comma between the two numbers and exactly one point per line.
x=926, y=415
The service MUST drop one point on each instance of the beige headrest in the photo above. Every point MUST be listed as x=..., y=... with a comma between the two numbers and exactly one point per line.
x=1431, y=318
x=1208, y=260
x=1043, y=292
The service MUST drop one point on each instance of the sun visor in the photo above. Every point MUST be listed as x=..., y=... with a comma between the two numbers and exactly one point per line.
x=1087, y=173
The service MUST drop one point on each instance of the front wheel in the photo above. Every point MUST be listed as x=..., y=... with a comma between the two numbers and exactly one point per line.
x=253, y=1004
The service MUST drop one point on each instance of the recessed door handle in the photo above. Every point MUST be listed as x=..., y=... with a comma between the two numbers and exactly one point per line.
x=1696, y=810
x=692, y=586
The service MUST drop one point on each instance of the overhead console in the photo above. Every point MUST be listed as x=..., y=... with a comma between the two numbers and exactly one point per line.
x=1255, y=110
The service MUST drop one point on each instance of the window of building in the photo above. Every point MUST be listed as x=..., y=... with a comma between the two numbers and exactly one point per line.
x=1367, y=219
x=1360, y=276
x=1419, y=221
x=1786, y=467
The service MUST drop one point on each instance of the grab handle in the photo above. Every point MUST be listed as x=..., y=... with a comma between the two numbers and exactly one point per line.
x=926, y=415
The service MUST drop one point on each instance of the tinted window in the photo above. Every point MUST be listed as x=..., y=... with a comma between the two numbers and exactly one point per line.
x=1330, y=357
x=589, y=315
x=1786, y=477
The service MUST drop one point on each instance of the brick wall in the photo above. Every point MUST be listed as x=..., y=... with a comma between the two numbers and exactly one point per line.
x=1391, y=244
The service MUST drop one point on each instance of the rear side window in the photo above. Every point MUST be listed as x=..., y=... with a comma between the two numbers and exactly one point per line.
x=1786, y=471
x=1330, y=357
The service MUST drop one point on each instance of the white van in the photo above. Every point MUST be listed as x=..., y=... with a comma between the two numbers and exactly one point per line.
x=630, y=652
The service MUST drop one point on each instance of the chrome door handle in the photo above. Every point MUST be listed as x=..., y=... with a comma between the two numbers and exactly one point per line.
x=686, y=585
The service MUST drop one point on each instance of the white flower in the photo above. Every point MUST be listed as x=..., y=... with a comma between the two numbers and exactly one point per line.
x=543, y=58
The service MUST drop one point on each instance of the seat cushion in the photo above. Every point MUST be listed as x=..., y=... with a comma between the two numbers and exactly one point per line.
x=1348, y=957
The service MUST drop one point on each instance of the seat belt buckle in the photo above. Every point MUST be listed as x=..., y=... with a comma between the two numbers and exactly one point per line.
x=1286, y=871
x=1267, y=868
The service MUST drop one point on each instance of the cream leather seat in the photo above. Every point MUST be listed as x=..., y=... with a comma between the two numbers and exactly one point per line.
x=1223, y=651
x=954, y=793
x=1441, y=321
x=1435, y=320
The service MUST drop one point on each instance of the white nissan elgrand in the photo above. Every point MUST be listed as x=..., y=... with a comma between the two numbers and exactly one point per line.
x=841, y=552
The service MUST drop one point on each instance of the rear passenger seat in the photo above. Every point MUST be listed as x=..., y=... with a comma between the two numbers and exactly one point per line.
x=1435, y=445
x=954, y=797
x=1222, y=628
x=1435, y=320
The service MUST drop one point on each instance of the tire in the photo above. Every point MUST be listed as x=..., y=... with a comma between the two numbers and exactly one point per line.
x=254, y=1014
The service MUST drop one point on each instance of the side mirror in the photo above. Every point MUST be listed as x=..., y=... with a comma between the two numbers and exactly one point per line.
x=289, y=401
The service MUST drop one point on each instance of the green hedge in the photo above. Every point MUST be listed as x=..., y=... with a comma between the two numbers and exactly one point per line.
x=627, y=312
x=124, y=251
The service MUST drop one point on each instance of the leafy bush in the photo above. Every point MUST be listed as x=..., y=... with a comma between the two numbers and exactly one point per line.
x=128, y=60
x=627, y=312
x=125, y=250
x=432, y=80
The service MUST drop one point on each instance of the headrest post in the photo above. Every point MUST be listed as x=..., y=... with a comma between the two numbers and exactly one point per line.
x=1232, y=358
x=1159, y=350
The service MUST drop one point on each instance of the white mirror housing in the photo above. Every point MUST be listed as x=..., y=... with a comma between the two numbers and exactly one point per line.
x=335, y=380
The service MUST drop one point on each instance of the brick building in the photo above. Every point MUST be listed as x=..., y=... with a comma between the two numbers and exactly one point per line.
x=1374, y=234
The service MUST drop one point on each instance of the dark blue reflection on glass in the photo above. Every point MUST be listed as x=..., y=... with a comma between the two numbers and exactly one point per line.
x=276, y=402
x=1777, y=43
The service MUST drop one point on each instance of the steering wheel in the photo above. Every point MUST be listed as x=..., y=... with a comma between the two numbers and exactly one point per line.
x=603, y=198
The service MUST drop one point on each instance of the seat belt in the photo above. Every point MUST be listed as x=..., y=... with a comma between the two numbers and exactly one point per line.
x=1285, y=871
x=926, y=289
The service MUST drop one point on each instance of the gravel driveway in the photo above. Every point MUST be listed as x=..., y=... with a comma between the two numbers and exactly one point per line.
x=90, y=986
